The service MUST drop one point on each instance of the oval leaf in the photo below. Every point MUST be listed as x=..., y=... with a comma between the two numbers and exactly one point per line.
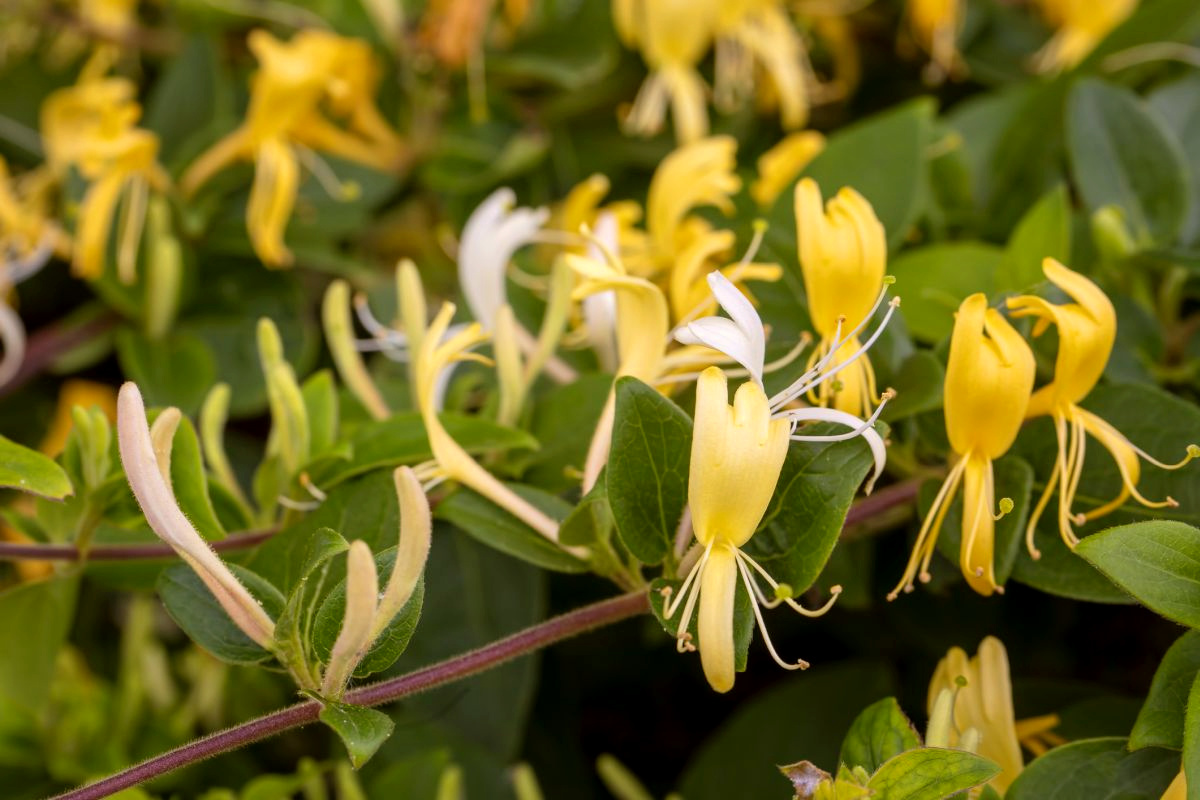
x=1096, y=769
x=931, y=773
x=879, y=733
x=30, y=471
x=197, y=612
x=1160, y=722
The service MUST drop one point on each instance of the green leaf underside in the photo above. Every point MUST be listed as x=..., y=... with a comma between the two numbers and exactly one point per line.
x=362, y=730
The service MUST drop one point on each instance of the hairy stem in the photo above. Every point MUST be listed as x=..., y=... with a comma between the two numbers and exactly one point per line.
x=12, y=551
x=471, y=663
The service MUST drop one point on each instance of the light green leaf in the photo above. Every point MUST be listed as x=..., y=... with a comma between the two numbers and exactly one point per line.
x=190, y=482
x=30, y=471
x=879, y=733
x=648, y=469
x=321, y=405
x=1096, y=769
x=1158, y=562
x=1044, y=232
x=1160, y=723
x=197, y=612
x=34, y=621
x=362, y=730
x=933, y=281
x=931, y=773
x=1121, y=155
x=1191, y=742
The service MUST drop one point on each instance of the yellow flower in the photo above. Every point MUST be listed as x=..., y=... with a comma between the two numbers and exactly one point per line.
x=1177, y=790
x=296, y=83
x=981, y=717
x=737, y=454
x=843, y=253
x=1087, y=329
x=1081, y=25
x=91, y=127
x=673, y=36
x=935, y=25
x=783, y=163
x=988, y=380
x=758, y=33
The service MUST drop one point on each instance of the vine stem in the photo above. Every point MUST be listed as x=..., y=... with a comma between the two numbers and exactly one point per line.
x=13, y=551
x=462, y=666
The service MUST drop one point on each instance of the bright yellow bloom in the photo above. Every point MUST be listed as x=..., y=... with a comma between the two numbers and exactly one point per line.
x=1081, y=25
x=783, y=163
x=988, y=380
x=1087, y=329
x=759, y=33
x=935, y=25
x=673, y=36
x=981, y=715
x=296, y=84
x=91, y=127
x=737, y=454
x=1178, y=788
x=843, y=254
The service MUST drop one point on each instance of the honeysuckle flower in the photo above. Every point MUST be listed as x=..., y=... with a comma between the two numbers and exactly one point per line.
x=988, y=380
x=673, y=36
x=783, y=163
x=742, y=338
x=1087, y=329
x=297, y=81
x=971, y=700
x=1079, y=25
x=843, y=254
x=145, y=473
x=737, y=454
x=758, y=35
x=935, y=25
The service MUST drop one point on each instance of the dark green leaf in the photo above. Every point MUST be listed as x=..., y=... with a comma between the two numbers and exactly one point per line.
x=176, y=371
x=30, y=471
x=918, y=384
x=648, y=469
x=495, y=527
x=391, y=642
x=879, y=733
x=34, y=621
x=1160, y=723
x=1158, y=562
x=1121, y=155
x=190, y=482
x=931, y=773
x=934, y=280
x=361, y=729
x=193, y=607
x=1096, y=769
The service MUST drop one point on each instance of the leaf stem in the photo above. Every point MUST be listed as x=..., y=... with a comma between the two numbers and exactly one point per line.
x=13, y=551
x=462, y=666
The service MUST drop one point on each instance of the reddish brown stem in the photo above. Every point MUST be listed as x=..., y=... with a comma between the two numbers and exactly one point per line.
x=10, y=551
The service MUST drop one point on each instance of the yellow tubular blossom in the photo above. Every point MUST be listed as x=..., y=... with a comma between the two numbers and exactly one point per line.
x=297, y=84
x=935, y=25
x=673, y=36
x=1087, y=329
x=695, y=175
x=1080, y=26
x=737, y=454
x=1177, y=790
x=982, y=707
x=752, y=33
x=783, y=163
x=988, y=380
x=843, y=254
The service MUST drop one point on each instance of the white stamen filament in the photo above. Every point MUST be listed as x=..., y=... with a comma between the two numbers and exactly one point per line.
x=776, y=602
x=762, y=625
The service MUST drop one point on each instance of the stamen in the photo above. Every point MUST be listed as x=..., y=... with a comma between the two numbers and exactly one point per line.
x=1006, y=506
x=297, y=505
x=762, y=625
x=311, y=487
x=669, y=611
x=784, y=595
x=868, y=423
x=927, y=537
x=320, y=169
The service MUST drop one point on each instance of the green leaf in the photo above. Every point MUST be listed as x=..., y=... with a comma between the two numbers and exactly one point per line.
x=175, y=371
x=197, y=612
x=1096, y=769
x=35, y=619
x=190, y=482
x=401, y=439
x=495, y=527
x=931, y=773
x=1175, y=103
x=893, y=178
x=879, y=733
x=1014, y=480
x=391, y=642
x=568, y=54
x=30, y=471
x=1158, y=562
x=591, y=521
x=292, y=628
x=648, y=469
x=801, y=525
x=1122, y=155
x=562, y=421
x=321, y=405
x=919, y=384
x=774, y=727
x=183, y=101
x=1160, y=723
x=934, y=280
x=1044, y=232
x=1191, y=742
x=361, y=729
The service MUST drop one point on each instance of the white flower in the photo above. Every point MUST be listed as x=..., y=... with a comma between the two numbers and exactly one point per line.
x=741, y=337
x=494, y=231
x=600, y=309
